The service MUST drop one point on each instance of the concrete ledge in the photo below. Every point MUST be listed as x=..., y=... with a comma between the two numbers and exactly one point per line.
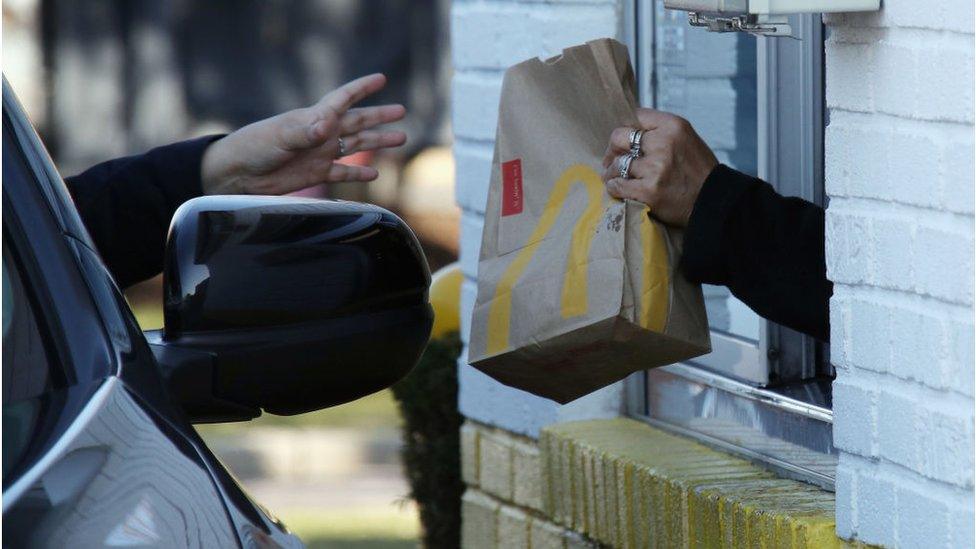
x=627, y=484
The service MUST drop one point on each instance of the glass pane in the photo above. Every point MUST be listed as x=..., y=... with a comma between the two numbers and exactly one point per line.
x=710, y=79
x=26, y=367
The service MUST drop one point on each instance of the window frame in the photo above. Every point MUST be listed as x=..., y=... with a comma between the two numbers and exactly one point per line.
x=21, y=244
x=791, y=158
x=41, y=225
x=783, y=378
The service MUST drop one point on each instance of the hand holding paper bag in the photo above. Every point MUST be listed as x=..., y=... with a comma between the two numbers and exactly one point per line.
x=576, y=289
x=671, y=170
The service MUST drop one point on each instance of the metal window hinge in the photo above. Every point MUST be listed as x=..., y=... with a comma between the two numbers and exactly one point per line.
x=765, y=25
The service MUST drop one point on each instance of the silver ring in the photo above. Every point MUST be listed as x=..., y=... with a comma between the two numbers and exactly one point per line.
x=636, y=136
x=625, y=166
x=342, y=147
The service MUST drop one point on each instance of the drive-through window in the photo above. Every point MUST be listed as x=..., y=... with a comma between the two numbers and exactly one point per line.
x=764, y=391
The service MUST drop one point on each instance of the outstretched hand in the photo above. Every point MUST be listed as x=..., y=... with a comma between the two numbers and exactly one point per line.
x=299, y=148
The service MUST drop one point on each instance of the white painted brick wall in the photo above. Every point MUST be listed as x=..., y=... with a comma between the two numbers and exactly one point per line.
x=487, y=37
x=900, y=177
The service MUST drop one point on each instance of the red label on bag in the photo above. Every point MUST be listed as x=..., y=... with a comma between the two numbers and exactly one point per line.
x=512, y=187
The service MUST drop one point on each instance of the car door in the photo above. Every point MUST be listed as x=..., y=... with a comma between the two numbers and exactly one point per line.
x=87, y=462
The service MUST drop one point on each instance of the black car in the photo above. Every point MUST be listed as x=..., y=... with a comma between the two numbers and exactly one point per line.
x=284, y=305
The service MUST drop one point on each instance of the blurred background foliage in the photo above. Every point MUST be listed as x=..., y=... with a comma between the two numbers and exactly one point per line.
x=431, y=451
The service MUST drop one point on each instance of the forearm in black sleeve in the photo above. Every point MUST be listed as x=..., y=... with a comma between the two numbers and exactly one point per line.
x=768, y=249
x=127, y=204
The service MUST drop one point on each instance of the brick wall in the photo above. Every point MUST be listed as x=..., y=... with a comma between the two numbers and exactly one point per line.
x=487, y=37
x=622, y=483
x=503, y=507
x=899, y=174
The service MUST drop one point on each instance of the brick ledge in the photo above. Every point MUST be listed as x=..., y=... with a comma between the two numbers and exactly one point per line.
x=627, y=484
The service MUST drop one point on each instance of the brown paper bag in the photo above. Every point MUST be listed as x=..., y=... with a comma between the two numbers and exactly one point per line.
x=576, y=290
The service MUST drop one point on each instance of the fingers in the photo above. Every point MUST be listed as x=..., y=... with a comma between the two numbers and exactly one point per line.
x=325, y=118
x=612, y=170
x=617, y=186
x=619, y=144
x=372, y=140
x=301, y=129
x=641, y=185
x=347, y=172
x=623, y=188
x=620, y=139
x=357, y=120
x=347, y=95
x=650, y=121
x=316, y=171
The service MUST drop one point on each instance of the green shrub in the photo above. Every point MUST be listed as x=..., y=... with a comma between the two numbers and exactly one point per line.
x=427, y=399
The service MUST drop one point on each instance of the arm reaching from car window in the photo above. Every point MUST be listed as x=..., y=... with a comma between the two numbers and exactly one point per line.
x=127, y=203
x=766, y=248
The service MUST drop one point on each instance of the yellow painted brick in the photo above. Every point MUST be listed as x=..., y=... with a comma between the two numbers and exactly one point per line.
x=469, y=454
x=704, y=518
x=675, y=515
x=527, y=471
x=643, y=517
x=513, y=528
x=597, y=501
x=624, y=486
x=546, y=535
x=479, y=520
x=762, y=529
x=588, y=491
x=726, y=517
x=552, y=504
x=630, y=485
x=744, y=526
x=610, y=497
x=815, y=535
x=567, y=482
x=547, y=486
x=665, y=515
x=577, y=489
x=605, y=510
x=495, y=464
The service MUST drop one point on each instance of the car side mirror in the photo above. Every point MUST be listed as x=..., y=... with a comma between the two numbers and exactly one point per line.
x=288, y=305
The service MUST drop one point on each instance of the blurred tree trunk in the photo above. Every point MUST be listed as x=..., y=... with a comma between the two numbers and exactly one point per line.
x=113, y=79
x=126, y=75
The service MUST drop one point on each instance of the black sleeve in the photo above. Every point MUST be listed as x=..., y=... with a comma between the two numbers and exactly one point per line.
x=768, y=249
x=127, y=204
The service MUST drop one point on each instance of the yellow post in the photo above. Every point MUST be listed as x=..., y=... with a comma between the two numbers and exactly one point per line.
x=445, y=298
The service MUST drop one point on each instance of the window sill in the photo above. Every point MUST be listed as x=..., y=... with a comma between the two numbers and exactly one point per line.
x=787, y=435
